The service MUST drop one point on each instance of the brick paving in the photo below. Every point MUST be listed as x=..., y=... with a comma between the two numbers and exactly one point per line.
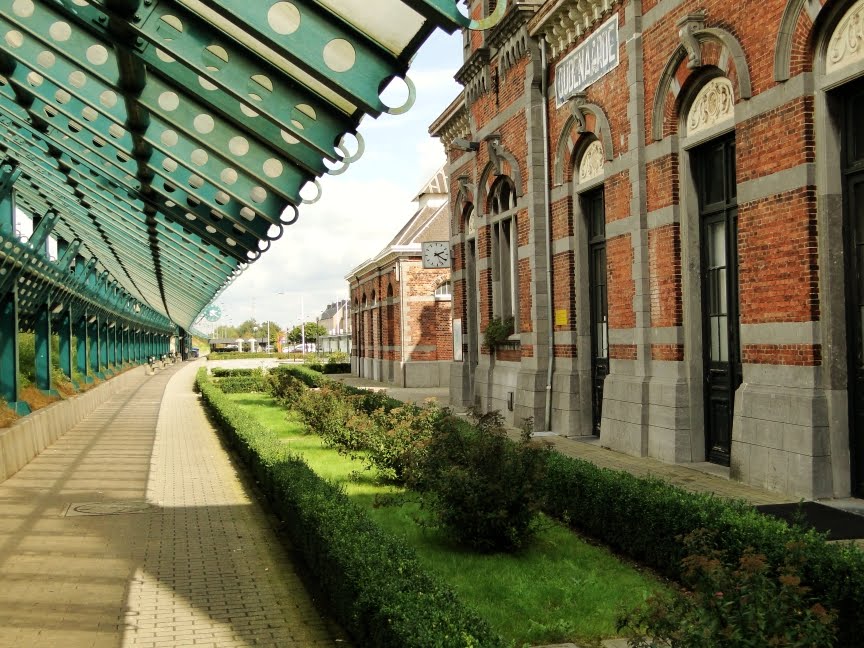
x=200, y=566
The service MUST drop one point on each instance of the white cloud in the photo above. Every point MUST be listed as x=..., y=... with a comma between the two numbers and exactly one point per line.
x=359, y=212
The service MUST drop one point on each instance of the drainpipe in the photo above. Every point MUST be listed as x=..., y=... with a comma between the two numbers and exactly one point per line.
x=544, y=89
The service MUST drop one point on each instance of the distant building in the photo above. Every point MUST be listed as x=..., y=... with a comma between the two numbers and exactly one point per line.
x=336, y=318
x=402, y=331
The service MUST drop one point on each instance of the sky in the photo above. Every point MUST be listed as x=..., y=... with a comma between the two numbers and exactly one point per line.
x=359, y=212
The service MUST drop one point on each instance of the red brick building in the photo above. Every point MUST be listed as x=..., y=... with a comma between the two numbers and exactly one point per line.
x=667, y=197
x=401, y=326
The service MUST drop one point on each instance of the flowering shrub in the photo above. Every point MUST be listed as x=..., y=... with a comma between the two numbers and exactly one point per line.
x=743, y=605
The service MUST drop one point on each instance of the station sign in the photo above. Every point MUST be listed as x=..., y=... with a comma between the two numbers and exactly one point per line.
x=592, y=60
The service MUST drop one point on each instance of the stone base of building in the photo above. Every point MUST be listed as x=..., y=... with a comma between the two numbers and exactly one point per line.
x=409, y=374
x=622, y=426
x=781, y=440
x=668, y=421
x=460, y=385
x=427, y=374
x=571, y=403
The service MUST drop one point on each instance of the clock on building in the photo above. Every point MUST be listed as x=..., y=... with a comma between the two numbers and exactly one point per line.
x=436, y=254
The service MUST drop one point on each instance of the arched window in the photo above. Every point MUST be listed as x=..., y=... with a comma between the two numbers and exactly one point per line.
x=502, y=196
x=444, y=291
x=505, y=282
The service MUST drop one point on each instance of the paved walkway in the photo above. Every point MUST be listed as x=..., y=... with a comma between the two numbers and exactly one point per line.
x=702, y=477
x=135, y=530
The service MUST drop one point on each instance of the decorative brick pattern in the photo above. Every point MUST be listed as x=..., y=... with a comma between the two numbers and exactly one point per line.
x=525, y=296
x=778, y=258
x=622, y=352
x=673, y=352
x=622, y=288
x=563, y=296
x=775, y=140
x=664, y=266
x=661, y=178
x=803, y=355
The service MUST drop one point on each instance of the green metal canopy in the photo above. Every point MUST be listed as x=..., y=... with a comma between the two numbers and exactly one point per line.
x=165, y=143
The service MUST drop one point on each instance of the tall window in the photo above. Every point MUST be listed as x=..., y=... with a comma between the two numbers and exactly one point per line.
x=595, y=214
x=502, y=208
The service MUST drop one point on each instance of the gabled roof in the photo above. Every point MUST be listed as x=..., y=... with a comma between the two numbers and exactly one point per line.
x=431, y=222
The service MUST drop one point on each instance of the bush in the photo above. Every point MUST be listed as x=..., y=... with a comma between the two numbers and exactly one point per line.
x=224, y=372
x=481, y=487
x=733, y=605
x=242, y=384
x=498, y=331
x=644, y=519
x=397, y=438
x=374, y=583
x=285, y=388
x=309, y=377
x=337, y=368
x=332, y=416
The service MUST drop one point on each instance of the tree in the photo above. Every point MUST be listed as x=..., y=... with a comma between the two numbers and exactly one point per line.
x=313, y=331
x=247, y=330
x=274, y=331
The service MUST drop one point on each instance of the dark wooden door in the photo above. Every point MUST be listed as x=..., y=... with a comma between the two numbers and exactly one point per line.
x=853, y=199
x=715, y=180
x=595, y=213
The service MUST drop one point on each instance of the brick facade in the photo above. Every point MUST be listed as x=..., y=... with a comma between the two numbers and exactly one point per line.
x=784, y=332
x=401, y=311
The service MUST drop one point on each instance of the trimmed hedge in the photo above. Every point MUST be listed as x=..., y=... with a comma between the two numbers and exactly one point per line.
x=646, y=518
x=307, y=376
x=239, y=355
x=331, y=367
x=242, y=384
x=224, y=372
x=376, y=587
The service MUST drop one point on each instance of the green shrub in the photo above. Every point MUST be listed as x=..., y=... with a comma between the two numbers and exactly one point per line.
x=733, y=604
x=498, y=331
x=306, y=375
x=397, y=439
x=242, y=384
x=285, y=388
x=238, y=355
x=377, y=589
x=332, y=416
x=337, y=368
x=644, y=519
x=224, y=372
x=481, y=487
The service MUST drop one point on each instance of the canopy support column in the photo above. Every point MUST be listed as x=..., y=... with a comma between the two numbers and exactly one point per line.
x=93, y=340
x=111, y=343
x=9, y=387
x=103, y=348
x=42, y=339
x=81, y=348
x=64, y=334
x=9, y=352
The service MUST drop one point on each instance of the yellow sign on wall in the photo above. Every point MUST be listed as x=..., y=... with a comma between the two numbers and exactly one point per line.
x=561, y=317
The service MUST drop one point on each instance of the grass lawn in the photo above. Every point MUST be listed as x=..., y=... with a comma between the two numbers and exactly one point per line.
x=559, y=589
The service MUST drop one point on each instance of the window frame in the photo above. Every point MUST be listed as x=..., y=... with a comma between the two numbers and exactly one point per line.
x=502, y=205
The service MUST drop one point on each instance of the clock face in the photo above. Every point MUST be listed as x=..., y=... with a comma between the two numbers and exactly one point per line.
x=436, y=254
